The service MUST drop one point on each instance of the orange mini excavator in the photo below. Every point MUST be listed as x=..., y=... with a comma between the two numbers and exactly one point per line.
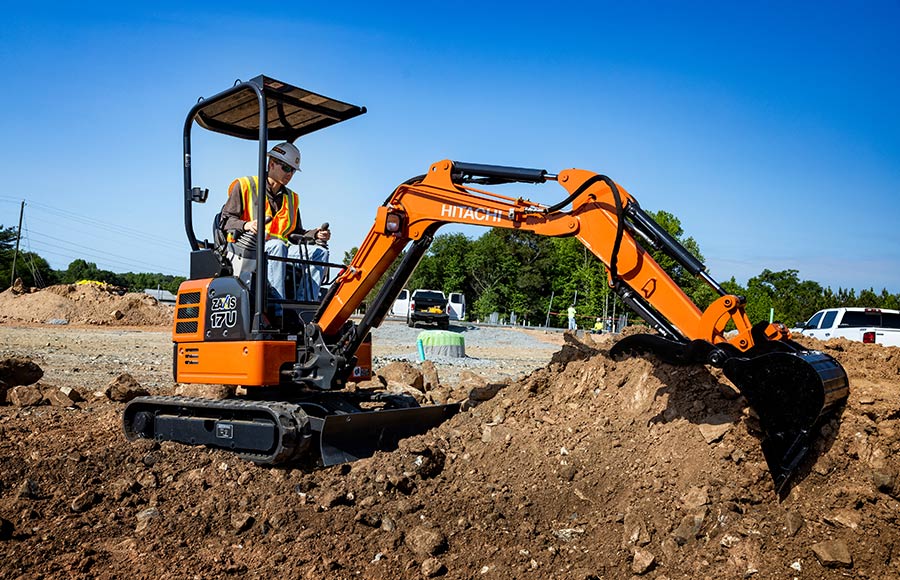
x=294, y=374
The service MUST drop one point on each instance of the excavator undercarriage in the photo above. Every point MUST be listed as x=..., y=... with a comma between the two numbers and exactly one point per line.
x=297, y=374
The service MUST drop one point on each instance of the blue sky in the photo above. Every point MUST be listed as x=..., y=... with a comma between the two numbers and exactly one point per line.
x=772, y=130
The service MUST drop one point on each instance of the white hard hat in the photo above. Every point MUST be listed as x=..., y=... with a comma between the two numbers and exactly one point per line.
x=288, y=153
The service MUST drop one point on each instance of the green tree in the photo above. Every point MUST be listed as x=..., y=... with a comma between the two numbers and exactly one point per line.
x=508, y=273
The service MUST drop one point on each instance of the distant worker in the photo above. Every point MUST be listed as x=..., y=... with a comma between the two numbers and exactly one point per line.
x=284, y=230
x=598, y=326
x=571, y=312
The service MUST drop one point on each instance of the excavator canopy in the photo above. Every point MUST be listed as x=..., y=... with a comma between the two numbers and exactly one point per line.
x=291, y=111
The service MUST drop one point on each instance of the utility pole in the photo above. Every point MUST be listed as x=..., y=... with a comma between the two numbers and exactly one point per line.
x=549, y=308
x=12, y=279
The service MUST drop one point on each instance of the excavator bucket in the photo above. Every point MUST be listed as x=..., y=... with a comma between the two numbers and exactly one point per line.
x=791, y=392
x=352, y=436
x=790, y=389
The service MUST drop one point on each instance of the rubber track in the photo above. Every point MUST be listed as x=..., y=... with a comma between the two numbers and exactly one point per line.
x=293, y=424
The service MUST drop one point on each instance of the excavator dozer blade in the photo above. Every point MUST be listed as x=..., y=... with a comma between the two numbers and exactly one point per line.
x=790, y=392
x=352, y=436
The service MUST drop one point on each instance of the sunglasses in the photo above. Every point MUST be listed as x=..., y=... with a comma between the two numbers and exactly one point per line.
x=285, y=167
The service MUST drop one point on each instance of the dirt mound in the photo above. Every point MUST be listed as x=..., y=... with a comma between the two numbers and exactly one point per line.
x=83, y=304
x=588, y=468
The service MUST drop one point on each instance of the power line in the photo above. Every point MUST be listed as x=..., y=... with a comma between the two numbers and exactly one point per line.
x=82, y=252
x=117, y=264
x=71, y=217
x=80, y=247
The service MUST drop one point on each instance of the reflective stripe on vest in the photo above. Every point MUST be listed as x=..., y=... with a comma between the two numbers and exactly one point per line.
x=285, y=219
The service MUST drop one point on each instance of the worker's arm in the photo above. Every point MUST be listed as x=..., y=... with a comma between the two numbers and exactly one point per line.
x=233, y=210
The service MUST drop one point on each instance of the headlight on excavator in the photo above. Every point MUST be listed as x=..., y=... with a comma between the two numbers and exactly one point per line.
x=392, y=223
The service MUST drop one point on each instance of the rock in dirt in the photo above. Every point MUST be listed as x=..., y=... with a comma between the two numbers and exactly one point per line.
x=72, y=394
x=425, y=541
x=833, y=554
x=642, y=561
x=636, y=533
x=28, y=489
x=432, y=567
x=83, y=501
x=485, y=393
x=430, y=376
x=241, y=522
x=403, y=373
x=793, y=522
x=144, y=517
x=58, y=398
x=25, y=396
x=124, y=388
x=715, y=427
x=689, y=527
x=17, y=371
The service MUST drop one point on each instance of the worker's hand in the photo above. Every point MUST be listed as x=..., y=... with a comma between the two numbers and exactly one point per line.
x=253, y=225
x=323, y=235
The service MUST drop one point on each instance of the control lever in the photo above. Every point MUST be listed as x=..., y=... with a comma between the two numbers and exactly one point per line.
x=319, y=242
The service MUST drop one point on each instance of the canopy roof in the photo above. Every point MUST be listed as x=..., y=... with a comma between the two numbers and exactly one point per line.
x=291, y=111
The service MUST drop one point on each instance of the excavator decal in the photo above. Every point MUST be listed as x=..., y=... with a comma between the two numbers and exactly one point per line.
x=474, y=214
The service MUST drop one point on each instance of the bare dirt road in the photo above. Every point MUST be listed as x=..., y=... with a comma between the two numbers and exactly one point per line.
x=580, y=467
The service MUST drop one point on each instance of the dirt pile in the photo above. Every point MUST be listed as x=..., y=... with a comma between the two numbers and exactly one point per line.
x=82, y=304
x=586, y=469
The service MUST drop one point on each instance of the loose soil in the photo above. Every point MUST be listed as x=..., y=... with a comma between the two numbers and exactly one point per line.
x=580, y=467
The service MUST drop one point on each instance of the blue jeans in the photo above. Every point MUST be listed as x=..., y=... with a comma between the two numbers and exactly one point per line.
x=309, y=286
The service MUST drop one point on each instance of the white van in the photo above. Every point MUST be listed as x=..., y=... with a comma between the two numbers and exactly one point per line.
x=456, y=306
x=401, y=304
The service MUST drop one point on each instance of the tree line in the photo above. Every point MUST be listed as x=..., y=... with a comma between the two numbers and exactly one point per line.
x=36, y=272
x=515, y=272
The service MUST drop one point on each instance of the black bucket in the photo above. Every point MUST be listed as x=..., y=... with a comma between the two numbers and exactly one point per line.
x=790, y=392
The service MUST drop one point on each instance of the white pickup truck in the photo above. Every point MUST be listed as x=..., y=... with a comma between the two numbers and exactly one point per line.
x=872, y=325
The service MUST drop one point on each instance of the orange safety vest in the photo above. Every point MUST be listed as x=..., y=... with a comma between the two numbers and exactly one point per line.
x=283, y=222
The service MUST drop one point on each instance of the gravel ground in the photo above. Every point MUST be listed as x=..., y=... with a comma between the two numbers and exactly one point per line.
x=72, y=356
x=495, y=352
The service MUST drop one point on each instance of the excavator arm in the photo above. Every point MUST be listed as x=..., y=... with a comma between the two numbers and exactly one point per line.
x=791, y=389
x=604, y=217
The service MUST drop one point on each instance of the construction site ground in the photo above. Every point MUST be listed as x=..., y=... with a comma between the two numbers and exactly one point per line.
x=565, y=464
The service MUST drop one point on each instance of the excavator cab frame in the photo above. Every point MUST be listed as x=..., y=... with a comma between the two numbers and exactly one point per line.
x=260, y=109
x=221, y=334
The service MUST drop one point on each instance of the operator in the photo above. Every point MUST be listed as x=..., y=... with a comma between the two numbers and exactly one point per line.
x=571, y=313
x=284, y=231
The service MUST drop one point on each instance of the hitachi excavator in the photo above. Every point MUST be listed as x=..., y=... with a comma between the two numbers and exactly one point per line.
x=294, y=375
